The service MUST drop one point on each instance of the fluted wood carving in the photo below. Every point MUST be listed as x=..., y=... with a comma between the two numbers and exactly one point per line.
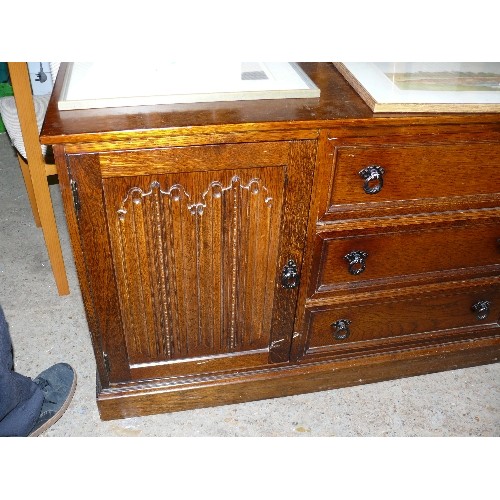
x=197, y=269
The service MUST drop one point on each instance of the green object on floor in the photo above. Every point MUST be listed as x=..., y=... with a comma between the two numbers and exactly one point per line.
x=5, y=90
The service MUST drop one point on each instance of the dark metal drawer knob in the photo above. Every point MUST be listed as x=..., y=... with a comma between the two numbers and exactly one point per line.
x=373, y=176
x=482, y=309
x=290, y=276
x=357, y=261
x=341, y=329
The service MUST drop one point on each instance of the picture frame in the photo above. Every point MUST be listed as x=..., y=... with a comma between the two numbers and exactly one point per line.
x=103, y=84
x=406, y=87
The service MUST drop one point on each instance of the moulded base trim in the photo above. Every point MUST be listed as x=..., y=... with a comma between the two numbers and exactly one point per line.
x=163, y=396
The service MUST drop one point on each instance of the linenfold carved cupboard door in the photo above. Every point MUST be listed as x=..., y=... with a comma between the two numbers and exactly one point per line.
x=201, y=240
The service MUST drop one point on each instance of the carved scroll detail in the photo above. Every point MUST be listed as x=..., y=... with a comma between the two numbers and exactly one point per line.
x=177, y=192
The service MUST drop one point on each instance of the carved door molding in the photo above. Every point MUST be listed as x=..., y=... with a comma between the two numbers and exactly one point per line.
x=197, y=241
x=196, y=266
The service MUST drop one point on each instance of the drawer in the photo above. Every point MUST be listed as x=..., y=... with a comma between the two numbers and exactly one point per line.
x=409, y=321
x=426, y=253
x=412, y=178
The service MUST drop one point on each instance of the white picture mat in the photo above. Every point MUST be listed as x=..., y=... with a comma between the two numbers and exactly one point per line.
x=372, y=82
x=373, y=77
x=109, y=84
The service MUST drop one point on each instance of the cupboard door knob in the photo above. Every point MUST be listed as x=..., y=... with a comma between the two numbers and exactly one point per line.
x=374, y=178
x=357, y=261
x=290, y=277
x=341, y=329
x=482, y=309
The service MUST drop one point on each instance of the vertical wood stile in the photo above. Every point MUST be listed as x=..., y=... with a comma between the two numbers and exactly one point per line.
x=144, y=266
x=169, y=263
x=216, y=265
x=234, y=194
x=190, y=264
x=251, y=269
x=178, y=229
x=206, y=248
x=133, y=274
x=270, y=232
x=160, y=292
x=120, y=250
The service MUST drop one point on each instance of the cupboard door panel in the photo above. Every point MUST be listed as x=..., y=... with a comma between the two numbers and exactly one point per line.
x=185, y=249
x=198, y=256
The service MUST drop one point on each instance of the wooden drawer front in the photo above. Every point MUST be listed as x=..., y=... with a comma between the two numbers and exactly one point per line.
x=422, y=254
x=402, y=322
x=415, y=177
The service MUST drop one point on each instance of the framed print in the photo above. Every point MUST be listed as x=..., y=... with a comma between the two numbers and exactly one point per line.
x=459, y=87
x=104, y=84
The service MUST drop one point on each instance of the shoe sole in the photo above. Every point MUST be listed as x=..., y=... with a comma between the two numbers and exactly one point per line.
x=51, y=421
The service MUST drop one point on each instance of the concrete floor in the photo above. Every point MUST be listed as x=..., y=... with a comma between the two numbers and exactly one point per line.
x=47, y=328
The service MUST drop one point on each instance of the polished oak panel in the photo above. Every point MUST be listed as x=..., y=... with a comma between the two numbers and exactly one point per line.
x=382, y=179
x=356, y=327
x=185, y=248
x=199, y=239
x=424, y=252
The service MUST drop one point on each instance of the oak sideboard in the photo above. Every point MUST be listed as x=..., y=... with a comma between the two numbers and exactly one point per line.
x=236, y=251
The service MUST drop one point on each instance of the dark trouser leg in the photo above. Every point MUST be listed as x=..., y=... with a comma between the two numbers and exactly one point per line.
x=20, y=398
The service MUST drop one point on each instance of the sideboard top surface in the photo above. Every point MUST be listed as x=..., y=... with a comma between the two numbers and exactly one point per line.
x=338, y=105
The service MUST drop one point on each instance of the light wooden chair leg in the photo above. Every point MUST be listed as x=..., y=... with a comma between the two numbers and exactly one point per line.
x=29, y=188
x=36, y=166
x=49, y=228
